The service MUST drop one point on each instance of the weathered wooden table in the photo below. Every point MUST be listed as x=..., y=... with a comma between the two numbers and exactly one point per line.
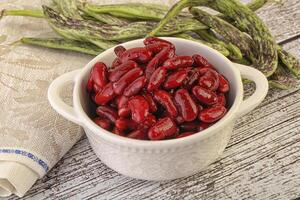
x=262, y=160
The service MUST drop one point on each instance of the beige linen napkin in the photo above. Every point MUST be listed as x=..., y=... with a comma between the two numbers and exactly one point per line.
x=32, y=136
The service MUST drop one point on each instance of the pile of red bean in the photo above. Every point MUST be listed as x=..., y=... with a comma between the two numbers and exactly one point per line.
x=150, y=93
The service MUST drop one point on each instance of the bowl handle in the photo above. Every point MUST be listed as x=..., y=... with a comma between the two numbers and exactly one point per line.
x=261, y=90
x=55, y=99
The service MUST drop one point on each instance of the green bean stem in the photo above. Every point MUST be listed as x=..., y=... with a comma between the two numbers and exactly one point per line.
x=23, y=12
x=65, y=44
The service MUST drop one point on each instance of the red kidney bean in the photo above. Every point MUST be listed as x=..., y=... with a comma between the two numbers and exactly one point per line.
x=223, y=85
x=103, y=123
x=178, y=62
x=203, y=70
x=165, y=54
x=124, y=124
x=185, y=134
x=104, y=96
x=139, y=108
x=119, y=50
x=139, y=134
x=135, y=87
x=124, y=111
x=138, y=54
x=179, y=119
x=189, y=126
x=134, y=110
x=122, y=101
x=151, y=67
x=200, y=61
x=164, y=128
x=148, y=122
x=122, y=104
x=90, y=84
x=152, y=104
x=205, y=96
x=126, y=79
x=188, y=108
x=153, y=40
x=159, y=58
x=165, y=99
x=156, y=47
x=191, y=79
x=116, y=73
x=202, y=126
x=96, y=88
x=118, y=132
x=221, y=99
x=175, y=79
x=212, y=114
x=99, y=74
x=210, y=80
x=157, y=78
x=107, y=112
x=116, y=63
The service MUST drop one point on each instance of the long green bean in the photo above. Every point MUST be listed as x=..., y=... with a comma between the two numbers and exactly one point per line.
x=131, y=11
x=68, y=8
x=234, y=52
x=282, y=79
x=229, y=33
x=256, y=4
x=263, y=47
x=105, y=18
x=22, y=12
x=289, y=61
x=80, y=29
x=64, y=44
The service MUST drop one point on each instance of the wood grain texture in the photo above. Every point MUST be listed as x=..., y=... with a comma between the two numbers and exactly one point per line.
x=262, y=160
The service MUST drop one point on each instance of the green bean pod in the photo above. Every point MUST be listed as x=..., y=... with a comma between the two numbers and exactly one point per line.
x=105, y=18
x=68, y=8
x=289, y=61
x=263, y=46
x=131, y=10
x=229, y=33
x=64, y=44
x=282, y=79
x=256, y=4
x=82, y=29
x=234, y=51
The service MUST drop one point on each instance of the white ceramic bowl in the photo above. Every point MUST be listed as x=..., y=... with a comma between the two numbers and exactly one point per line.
x=168, y=159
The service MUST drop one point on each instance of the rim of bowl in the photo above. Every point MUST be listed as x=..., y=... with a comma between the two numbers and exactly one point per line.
x=87, y=122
